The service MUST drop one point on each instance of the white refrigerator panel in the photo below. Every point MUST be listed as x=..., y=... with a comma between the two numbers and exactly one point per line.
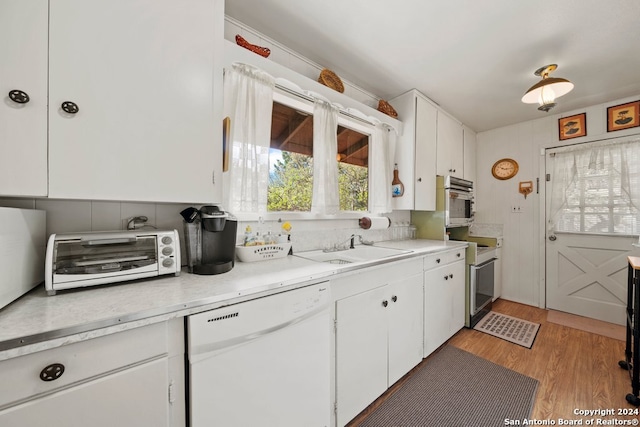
x=22, y=248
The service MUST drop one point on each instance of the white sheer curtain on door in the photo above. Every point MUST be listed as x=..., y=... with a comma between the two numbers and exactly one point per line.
x=248, y=95
x=325, y=199
x=595, y=188
x=381, y=167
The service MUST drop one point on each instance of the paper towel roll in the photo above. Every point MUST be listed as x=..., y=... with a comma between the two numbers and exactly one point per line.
x=374, y=223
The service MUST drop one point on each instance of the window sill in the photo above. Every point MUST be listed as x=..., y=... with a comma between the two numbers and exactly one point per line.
x=298, y=216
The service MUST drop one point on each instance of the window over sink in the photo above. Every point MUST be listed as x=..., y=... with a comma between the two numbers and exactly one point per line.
x=291, y=160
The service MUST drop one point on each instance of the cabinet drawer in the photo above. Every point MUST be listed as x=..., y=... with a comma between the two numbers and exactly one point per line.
x=358, y=281
x=21, y=376
x=443, y=258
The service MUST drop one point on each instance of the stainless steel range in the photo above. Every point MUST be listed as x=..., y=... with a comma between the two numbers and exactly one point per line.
x=480, y=282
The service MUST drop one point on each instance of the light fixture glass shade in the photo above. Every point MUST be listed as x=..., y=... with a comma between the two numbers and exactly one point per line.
x=547, y=90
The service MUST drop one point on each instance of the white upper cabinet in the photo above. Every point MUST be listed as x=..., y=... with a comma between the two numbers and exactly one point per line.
x=450, y=158
x=416, y=152
x=145, y=77
x=23, y=87
x=469, y=154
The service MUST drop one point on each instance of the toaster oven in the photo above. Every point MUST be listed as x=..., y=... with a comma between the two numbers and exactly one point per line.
x=98, y=258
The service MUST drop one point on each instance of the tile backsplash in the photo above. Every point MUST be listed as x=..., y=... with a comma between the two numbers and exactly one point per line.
x=68, y=216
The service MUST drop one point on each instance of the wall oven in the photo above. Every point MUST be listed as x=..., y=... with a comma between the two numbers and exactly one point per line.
x=458, y=202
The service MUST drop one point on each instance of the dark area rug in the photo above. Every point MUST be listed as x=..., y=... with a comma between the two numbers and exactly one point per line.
x=455, y=388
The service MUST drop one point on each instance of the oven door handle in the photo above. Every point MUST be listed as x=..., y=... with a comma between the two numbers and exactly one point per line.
x=115, y=241
x=484, y=264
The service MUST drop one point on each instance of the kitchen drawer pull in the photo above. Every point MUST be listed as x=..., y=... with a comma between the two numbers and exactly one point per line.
x=394, y=298
x=52, y=372
x=385, y=303
x=446, y=277
x=451, y=276
x=18, y=96
x=458, y=254
x=70, y=107
x=438, y=261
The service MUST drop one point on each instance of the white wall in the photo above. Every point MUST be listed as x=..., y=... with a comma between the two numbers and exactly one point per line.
x=523, y=254
x=64, y=216
x=292, y=60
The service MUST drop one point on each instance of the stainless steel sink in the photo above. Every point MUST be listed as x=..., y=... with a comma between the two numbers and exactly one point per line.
x=347, y=256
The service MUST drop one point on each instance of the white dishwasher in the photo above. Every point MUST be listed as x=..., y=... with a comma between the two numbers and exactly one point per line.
x=263, y=362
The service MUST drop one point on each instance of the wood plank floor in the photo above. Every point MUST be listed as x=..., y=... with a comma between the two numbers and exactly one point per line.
x=576, y=369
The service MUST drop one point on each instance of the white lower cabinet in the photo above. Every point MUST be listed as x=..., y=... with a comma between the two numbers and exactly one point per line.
x=444, y=303
x=378, y=340
x=127, y=379
x=133, y=397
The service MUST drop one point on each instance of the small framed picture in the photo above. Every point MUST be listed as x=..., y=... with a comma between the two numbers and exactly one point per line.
x=572, y=126
x=623, y=116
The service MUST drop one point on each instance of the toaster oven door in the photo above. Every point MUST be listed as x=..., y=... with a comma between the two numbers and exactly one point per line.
x=84, y=259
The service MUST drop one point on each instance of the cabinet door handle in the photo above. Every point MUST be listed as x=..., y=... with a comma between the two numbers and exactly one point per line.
x=19, y=96
x=438, y=261
x=394, y=298
x=446, y=277
x=419, y=179
x=458, y=254
x=70, y=107
x=451, y=276
x=52, y=372
x=385, y=303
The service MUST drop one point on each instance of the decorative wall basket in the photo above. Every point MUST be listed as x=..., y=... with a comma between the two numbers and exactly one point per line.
x=385, y=107
x=262, y=51
x=330, y=79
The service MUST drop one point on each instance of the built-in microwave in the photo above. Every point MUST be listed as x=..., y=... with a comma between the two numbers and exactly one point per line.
x=458, y=201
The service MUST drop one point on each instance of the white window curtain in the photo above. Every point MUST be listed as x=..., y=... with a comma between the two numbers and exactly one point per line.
x=248, y=94
x=381, y=169
x=325, y=198
x=596, y=188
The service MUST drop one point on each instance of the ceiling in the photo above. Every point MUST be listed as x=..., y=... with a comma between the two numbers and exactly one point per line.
x=474, y=58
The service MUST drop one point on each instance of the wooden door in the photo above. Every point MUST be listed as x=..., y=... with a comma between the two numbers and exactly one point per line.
x=586, y=273
x=450, y=158
x=457, y=284
x=23, y=122
x=405, y=326
x=425, y=159
x=361, y=351
x=437, y=308
x=146, y=80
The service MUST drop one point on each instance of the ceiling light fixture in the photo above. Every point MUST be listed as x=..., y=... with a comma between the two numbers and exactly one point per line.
x=547, y=90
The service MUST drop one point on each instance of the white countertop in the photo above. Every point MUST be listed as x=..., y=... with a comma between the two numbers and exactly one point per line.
x=36, y=321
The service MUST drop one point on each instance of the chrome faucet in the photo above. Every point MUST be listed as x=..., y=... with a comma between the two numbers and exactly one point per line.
x=361, y=240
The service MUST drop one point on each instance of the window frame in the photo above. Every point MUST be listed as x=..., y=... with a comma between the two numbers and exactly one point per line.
x=306, y=106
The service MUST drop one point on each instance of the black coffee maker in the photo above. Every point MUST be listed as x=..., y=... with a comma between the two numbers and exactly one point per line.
x=210, y=236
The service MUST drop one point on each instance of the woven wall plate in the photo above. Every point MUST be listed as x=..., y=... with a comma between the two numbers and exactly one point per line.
x=385, y=107
x=330, y=79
